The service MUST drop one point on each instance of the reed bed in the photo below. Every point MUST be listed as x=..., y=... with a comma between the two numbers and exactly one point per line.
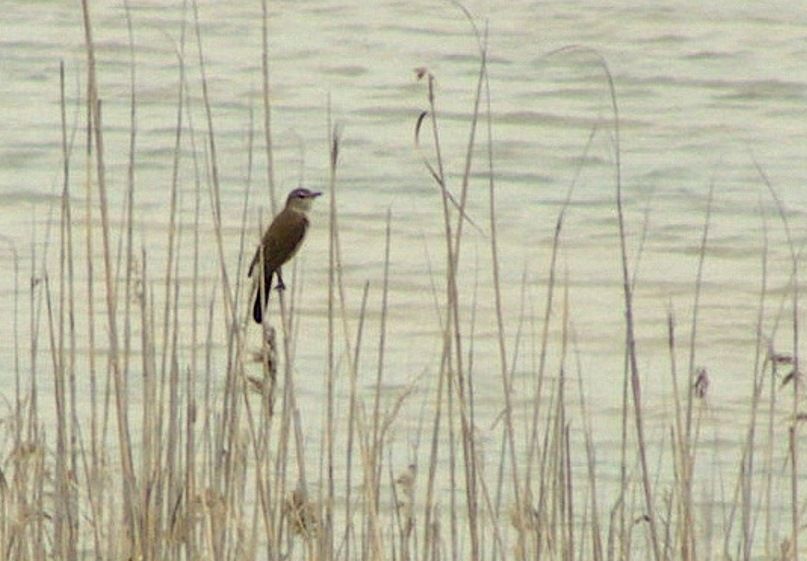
x=176, y=458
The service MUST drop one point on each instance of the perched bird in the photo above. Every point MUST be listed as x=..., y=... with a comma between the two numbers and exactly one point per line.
x=279, y=244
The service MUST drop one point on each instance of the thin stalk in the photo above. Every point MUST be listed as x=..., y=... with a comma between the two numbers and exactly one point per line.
x=793, y=435
x=267, y=108
x=124, y=440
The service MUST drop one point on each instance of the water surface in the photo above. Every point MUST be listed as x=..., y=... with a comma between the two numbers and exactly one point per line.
x=703, y=94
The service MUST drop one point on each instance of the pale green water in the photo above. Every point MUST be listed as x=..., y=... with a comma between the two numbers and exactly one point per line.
x=699, y=90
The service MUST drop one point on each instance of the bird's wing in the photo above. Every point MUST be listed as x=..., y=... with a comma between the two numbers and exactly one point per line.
x=283, y=238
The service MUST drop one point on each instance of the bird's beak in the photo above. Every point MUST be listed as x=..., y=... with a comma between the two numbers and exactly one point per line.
x=315, y=194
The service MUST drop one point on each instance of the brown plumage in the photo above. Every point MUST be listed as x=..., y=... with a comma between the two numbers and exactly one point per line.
x=280, y=243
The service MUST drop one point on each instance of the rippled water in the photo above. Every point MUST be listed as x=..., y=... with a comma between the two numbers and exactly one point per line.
x=703, y=93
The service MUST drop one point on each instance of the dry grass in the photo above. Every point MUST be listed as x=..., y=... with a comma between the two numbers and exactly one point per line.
x=212, y=465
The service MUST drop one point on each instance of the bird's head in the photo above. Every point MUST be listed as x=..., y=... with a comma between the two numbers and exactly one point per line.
x=300, y=199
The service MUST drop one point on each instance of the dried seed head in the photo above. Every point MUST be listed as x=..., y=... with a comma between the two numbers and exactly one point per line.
x=405, y=493
x=701, y=385
x=784, y=550
x=407, y=477
x=524, y=519
x=25, y=451
x=210, y=504
x=780, y=358
x=256, y=384
x=792, y=376
x=302, y=515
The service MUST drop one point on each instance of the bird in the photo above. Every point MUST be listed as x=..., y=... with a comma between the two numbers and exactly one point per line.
x=279, y=243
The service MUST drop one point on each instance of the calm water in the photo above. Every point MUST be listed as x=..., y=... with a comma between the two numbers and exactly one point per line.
x=701, y=93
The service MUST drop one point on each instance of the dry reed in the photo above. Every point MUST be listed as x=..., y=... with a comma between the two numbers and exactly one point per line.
x=212, y=461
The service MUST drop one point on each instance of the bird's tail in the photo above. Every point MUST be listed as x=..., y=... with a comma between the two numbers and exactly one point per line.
x=259, y=306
